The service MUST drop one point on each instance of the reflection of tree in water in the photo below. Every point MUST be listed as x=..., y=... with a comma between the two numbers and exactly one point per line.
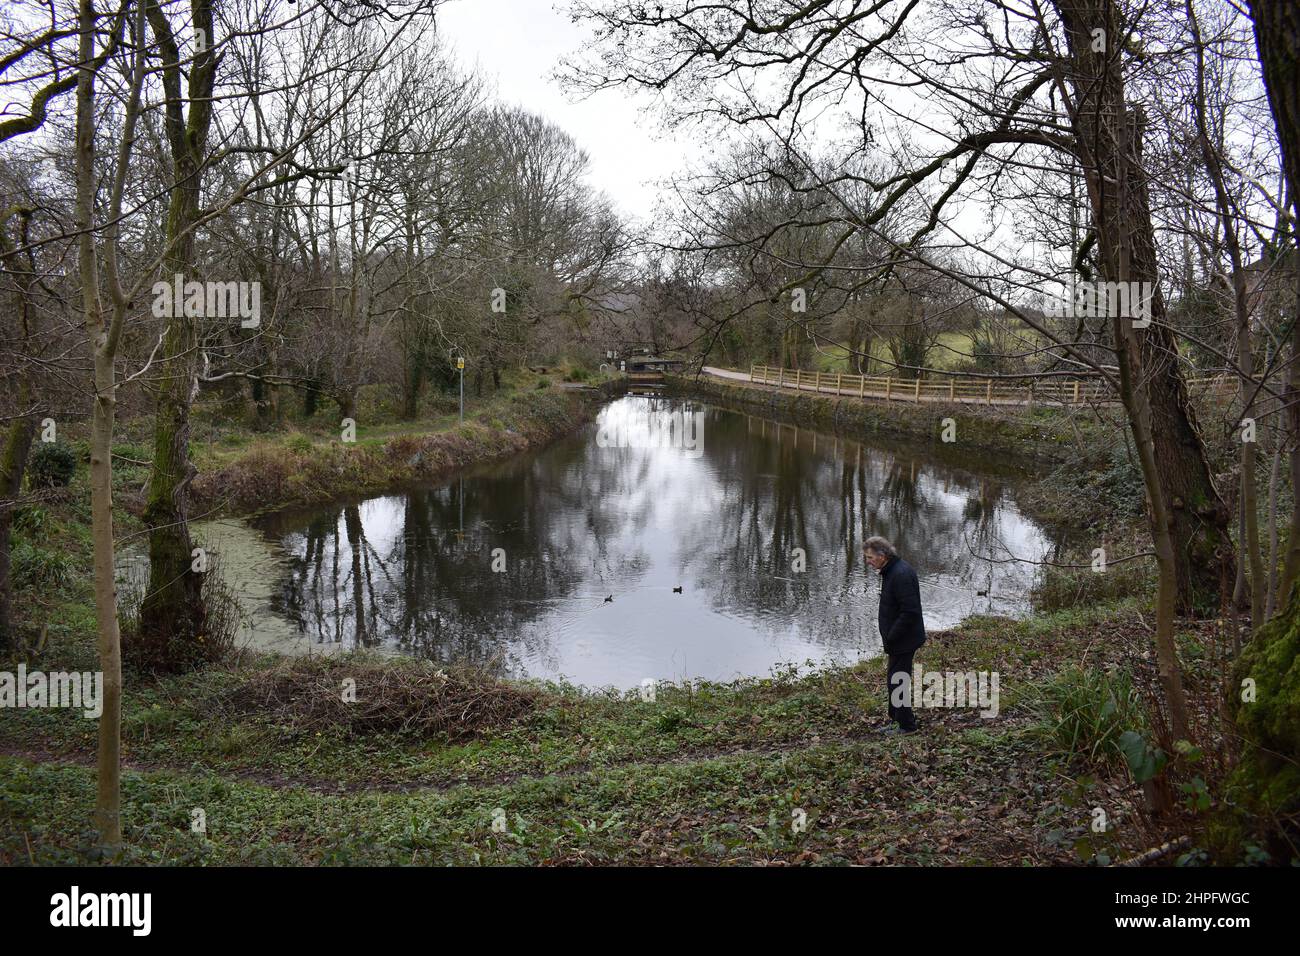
x=397, y=570
x=578, y=521
x=784, y=478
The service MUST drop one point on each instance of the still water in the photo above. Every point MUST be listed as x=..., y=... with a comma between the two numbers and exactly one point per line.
x=565, y=563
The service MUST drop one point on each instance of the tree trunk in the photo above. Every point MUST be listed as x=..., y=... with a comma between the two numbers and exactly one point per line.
x=1141, y=421
x=310, y=399
x=1108, y=137
x=173, y=620
x=12, y=466
x=13, y=459
x=259, y=402
x=107, y=804
x=172, y=615
x=1277, y=38
x=414, y=382
x=1204, y=560
x=347, y=402
x=1211, y=154
x=1274, y=475
x=108, y=819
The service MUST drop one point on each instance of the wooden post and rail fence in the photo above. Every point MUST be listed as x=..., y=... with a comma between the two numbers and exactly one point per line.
x=957, y=389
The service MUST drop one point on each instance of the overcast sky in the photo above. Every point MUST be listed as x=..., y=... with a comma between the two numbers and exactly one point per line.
x=517, y=44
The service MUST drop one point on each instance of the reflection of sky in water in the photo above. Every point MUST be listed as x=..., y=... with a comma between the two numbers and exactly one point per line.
x=413, y=573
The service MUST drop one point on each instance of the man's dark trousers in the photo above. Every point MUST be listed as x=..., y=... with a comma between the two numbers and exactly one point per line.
x=900, y=664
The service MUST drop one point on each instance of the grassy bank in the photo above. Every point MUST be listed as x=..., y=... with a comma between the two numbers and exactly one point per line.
x=703, y=773
x=1042, y=434
x=300, y=467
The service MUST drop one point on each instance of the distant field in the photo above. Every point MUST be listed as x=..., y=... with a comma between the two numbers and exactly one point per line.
x=952, y=349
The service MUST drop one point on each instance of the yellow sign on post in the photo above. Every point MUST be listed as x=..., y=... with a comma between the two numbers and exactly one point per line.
x=460, y=364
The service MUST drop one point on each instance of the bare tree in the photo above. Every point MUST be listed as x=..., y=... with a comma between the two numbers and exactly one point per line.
x=1008, y=97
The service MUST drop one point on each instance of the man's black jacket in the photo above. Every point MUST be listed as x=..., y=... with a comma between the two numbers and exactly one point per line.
x=901, y=626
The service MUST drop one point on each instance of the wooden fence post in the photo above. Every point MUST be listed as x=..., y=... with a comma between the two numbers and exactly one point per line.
x=916, y=393
x=889, y=383
x=989, y=392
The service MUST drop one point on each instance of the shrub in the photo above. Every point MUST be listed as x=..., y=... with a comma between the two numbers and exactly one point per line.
x=31, y=520
x=1122, y=489
x=170, y=653
x=298, y=443
x=670, y=720
x=1085, y=713
x=39, y=569
x=52, y=465
x=1060, y=588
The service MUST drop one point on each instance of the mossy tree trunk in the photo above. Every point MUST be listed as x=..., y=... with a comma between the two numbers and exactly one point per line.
x=1277, y=38
x=13, y=463
x=172, y=615
x=18, y=438
x=1264, y=699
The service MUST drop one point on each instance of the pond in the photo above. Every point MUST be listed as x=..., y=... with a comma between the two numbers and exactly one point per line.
x=668, y=539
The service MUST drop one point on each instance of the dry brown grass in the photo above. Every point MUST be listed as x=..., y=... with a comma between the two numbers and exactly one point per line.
x=405, y=697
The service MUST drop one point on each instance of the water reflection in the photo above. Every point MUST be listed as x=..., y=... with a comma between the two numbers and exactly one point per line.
x=510, y=566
